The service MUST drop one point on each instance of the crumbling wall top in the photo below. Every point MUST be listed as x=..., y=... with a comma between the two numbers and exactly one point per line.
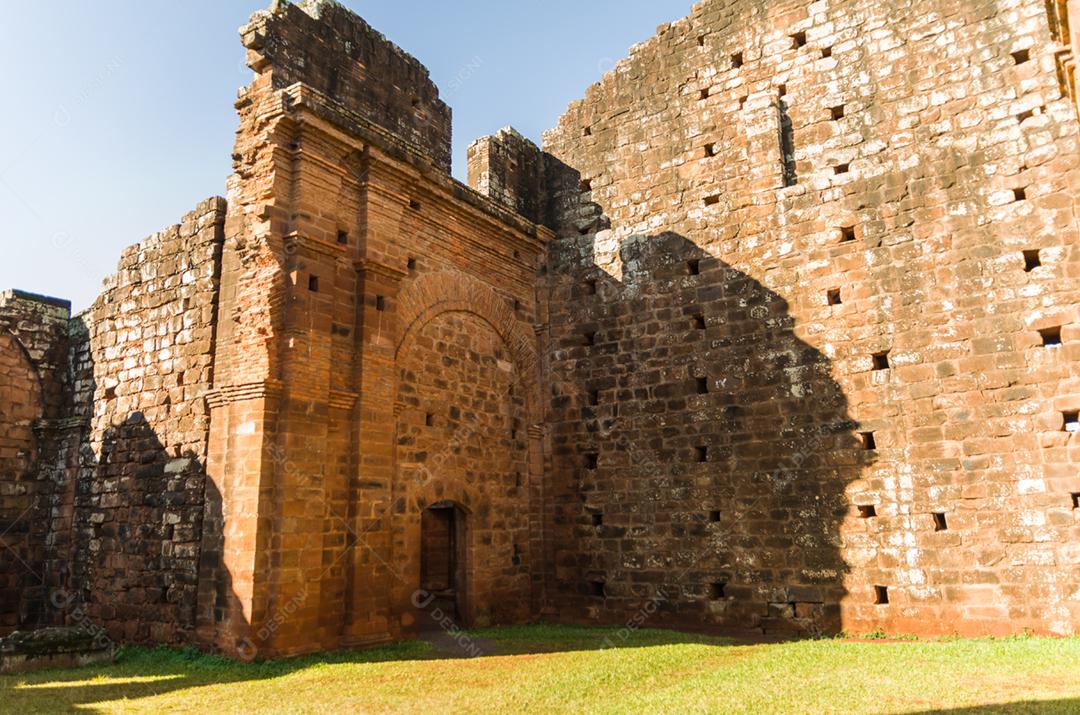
x=328, y=48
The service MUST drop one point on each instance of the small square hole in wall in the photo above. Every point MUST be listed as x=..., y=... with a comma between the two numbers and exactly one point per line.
x=380, y=303
x=798, y=40
x=867, y=511
x=698, y=321
x=701, y=41
x=596, y=588
x=1025, y=115
x=881, y=595
x=881, y=361
x=1051, y=337
x=704, y=94
x=837, y=112
x=517, y=306
x=712, y=200
x=781, y=90
x=737, y=60
x=833, y=296
x=1021, y=56
x=343, y=238
x=1075, y=501
x=313, y=284
x=586, y=186
x=940, y=522
x=1072, y=422
x=1020, y=194
x=597, y=519
x=742, y=101
x=592, y=460
x=429, y=419
x=594, y=397
x=714, y=516
x=411, y=264
x=826, y=52
x=589, y=338
x=589, y=287
x=702, y=384
x=710, y=149
x=1032, y=260
x=693, y=267
x=701, y=454
x=716, y=590
x=588, y=131
x=414, y=204
x=847, y=234
x=868, y=441
x=842, y=168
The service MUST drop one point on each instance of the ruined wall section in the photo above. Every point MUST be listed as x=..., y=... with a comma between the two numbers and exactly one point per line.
x=509, y=169
x=891, y=185
x=33, y=343
x=334, y=52
x=141, y=360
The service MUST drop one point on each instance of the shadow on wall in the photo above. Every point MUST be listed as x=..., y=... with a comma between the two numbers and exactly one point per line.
x=701, y=449
x=140, y=510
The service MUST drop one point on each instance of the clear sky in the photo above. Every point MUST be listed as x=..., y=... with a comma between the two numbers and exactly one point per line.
x=117, y=115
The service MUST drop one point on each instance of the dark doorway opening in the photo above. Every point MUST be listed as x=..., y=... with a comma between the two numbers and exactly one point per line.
x=442, y=573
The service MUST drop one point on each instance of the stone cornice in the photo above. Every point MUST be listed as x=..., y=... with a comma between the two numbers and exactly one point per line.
x=366, y=265
x=220, y=396
x=295, y=239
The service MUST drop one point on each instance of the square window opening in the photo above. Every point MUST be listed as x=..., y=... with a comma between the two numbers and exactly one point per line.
x=837, y=112
x=702, y=384
x=941, y=523
x=881, y=361
x=714, y=516
x=596, y=589
x=868, y=440
x=1021, y=56
x=313, y=284
x=881, y=595
x=592, y=461
x=1072, y=421
x=701, y=454
x=867, y=511
x=1051, y=337
x=343, y=238
x=833, y=297
x=737, y=60
x=716, y=590
x=693, y=267
x=847, y=234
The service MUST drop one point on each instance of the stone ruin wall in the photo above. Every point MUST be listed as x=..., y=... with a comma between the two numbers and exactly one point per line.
x=33, y=332
x=110, y=438
x=784, y=228
x=799, y=332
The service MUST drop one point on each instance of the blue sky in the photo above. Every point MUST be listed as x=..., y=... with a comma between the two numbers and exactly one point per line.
x=118, y=115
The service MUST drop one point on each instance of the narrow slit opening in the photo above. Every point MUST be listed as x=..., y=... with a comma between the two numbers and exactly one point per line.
x=1032, y=260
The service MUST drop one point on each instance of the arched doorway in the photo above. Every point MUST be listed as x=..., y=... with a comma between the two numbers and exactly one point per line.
x=443, y=538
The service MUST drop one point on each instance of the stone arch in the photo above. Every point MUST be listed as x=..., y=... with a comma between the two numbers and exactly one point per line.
x=478, y=468
x=450, y=291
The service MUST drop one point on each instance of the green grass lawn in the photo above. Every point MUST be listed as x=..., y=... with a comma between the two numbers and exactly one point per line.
x=556, y=669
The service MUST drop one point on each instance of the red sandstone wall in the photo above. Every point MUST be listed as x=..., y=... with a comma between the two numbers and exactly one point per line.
x=33, y=351
x=141, y=357
x=462, y=436
x=20, y=406
x=928, y=150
